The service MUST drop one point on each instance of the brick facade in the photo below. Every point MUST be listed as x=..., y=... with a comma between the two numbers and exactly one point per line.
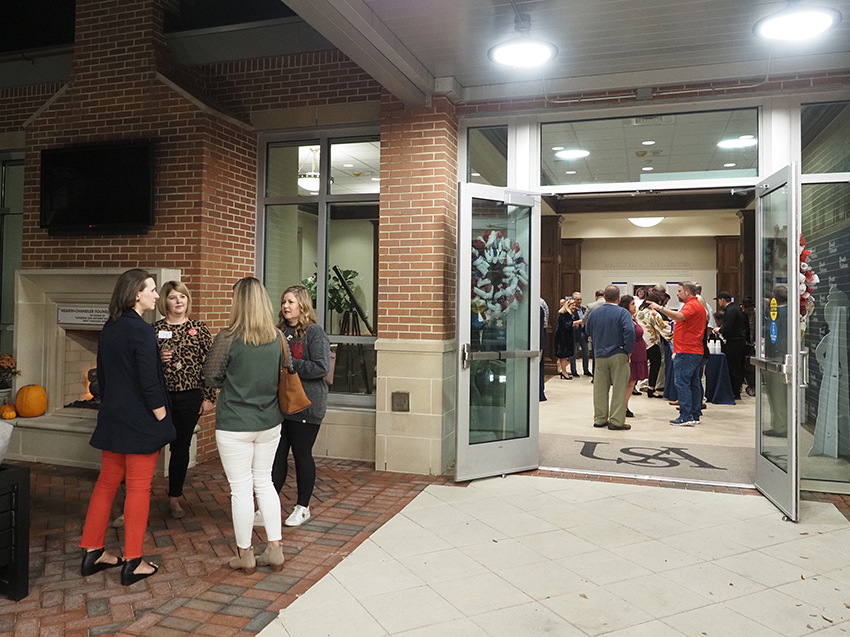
x=417, y=262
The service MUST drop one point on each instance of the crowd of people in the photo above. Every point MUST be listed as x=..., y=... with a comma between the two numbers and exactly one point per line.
x=157, y=381
x=628, y=336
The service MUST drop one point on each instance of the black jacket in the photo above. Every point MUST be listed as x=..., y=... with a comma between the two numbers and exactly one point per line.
x=129, y=371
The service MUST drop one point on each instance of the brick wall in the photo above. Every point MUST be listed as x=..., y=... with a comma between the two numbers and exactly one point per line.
x=292, y=81
x=418, y=221
x=206, y=165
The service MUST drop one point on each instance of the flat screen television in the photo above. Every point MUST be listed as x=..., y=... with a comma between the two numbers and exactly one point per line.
x=100, y=189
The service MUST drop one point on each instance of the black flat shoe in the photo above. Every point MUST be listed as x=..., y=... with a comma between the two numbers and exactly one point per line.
x=90, y=565
x=128, y=577
x=629, y=414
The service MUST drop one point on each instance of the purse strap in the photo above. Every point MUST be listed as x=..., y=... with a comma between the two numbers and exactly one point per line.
x=284, y=349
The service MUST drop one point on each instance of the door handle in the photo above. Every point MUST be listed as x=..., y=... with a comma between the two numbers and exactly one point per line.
x=466, y=355
x=767, y=365
x=804, y=368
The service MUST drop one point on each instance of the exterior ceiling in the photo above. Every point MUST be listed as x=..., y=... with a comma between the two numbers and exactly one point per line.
x=440, y=46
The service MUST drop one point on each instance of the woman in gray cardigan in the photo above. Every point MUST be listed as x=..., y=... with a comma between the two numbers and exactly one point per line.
x=311, y=358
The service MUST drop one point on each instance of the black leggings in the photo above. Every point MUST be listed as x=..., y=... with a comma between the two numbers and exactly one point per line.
x=654, y=355
x=298, y=436
x=185, y=411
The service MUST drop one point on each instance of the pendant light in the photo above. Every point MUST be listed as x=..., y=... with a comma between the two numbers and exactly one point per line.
x=309, y=181
x=523, y=51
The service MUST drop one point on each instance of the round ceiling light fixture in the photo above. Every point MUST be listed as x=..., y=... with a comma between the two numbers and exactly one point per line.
x=646, y=222
x=572, y=153
x=523, y=51
x=797, y=23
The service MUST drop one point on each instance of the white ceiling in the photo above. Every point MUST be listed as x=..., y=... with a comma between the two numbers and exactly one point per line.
x=416, y=49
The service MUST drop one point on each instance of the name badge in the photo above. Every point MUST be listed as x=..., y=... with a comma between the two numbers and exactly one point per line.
x=164, y=334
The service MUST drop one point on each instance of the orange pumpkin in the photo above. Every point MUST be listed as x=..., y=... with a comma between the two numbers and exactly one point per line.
x=7, y=412
x=31, y=401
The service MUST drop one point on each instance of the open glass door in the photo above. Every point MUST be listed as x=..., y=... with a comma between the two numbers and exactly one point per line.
x=778, y=347
x=498, y=331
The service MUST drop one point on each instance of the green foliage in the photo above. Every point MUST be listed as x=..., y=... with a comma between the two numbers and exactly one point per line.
x=338, y=300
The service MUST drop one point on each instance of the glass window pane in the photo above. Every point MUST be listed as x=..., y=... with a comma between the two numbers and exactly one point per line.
x=499, y=386
x=11, y=229
x=352, y=258
x=825, y=137
x=488, y=156
x=292, y=170
x=355, y=167
x=13, y=187
x=705, y=145
x=824, y=435
x=292, y=251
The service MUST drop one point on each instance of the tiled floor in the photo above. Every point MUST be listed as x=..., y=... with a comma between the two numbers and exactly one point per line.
x=531, y=555
x=452, y=556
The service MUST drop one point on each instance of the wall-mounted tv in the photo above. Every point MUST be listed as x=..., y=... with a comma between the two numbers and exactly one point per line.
x=105, y=188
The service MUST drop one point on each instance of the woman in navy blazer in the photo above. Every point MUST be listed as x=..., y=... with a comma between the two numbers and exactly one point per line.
x=133, y=424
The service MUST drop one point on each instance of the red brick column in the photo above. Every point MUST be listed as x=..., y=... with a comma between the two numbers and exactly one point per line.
x=416, y=288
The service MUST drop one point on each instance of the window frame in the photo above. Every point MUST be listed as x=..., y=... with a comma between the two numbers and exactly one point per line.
x=324, y=138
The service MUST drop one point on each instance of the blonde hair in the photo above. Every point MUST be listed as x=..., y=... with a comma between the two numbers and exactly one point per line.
x=168, y=288
x=305, y=303
x=568, y=306
x=252, y=315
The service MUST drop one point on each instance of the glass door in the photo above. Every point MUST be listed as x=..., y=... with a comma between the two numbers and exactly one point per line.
x=778, y=343
x=498, y=331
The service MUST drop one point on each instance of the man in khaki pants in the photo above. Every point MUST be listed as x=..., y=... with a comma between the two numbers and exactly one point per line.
x=613, y=332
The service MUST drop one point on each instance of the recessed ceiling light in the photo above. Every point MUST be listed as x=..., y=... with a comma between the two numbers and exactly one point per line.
x=797, y=23
x=573, y=153
x=729, y=165
x=348, y=165
x=557, y=148
x=475, y=174
x=646, y=222
x=570, y=172
x=744, y=141
x=375, y=178
x=647, y=168
x=648, y=142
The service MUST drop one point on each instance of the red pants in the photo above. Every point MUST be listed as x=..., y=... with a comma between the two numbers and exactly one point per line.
x=137, y=470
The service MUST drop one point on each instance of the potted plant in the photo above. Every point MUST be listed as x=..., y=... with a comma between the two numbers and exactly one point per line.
x=8, y=370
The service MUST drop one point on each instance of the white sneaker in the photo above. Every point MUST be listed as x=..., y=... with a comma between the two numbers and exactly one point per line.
x=258, y=518
x=298, y=516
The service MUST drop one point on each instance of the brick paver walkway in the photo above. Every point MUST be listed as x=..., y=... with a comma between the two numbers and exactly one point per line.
x=196, y=593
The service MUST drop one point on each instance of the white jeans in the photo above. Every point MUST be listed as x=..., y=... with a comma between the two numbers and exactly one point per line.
x=247, y=458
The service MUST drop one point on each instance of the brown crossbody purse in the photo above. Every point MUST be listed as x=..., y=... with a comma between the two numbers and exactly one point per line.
x=290, y=391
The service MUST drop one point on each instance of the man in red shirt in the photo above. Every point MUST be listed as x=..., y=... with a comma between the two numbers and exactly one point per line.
x=688, y=349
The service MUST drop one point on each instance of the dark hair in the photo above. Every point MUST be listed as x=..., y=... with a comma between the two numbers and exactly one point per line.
x=626, y=301
x=127, y=286
x=655, y=296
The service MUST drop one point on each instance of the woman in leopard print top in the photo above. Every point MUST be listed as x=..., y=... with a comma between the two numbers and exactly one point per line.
x=183, y=344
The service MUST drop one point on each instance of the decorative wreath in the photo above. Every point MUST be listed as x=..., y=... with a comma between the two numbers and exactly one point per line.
x=499, y=275
x=807, y=280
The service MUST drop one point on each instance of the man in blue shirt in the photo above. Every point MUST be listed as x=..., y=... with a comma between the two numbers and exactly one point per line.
x=613, y=332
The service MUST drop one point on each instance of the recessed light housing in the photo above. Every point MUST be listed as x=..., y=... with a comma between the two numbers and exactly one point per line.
x=648, y=142
x=797, y=23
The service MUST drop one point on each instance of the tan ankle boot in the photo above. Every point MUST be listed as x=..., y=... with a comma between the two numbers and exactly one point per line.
x=273, y=557
x=244, y=560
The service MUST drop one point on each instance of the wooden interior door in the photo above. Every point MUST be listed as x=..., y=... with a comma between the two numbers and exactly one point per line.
x=550, y=236
x=729, y=267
